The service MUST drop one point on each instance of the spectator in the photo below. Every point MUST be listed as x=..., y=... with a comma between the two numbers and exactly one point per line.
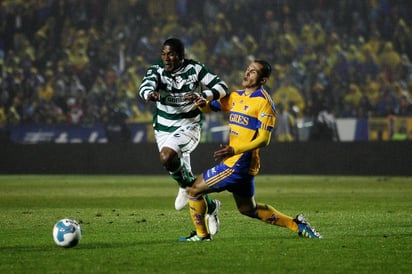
x=284, y=130
x=75, y=114
x=71, y=43
x=405, y=106
x=389, y=60
x=288, y=93
x=324, y=126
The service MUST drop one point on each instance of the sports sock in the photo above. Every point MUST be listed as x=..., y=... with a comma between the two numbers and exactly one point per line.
x=270, y=215
x=210, y=204
x=197, y=209
x=177, y=175
x=183, y=176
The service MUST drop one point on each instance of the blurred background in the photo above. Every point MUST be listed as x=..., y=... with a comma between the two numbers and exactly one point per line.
x=70, y=69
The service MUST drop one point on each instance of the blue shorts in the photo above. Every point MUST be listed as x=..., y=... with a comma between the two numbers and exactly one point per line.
x=222, y=177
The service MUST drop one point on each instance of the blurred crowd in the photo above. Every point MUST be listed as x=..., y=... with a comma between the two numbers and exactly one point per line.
x=81, y=61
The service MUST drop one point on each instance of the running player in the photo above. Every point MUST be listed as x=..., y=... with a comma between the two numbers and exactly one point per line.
x=172, y=84
x=252, y=117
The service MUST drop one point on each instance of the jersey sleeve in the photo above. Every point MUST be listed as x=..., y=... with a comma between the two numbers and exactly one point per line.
x=149, y=82
x=216, y=87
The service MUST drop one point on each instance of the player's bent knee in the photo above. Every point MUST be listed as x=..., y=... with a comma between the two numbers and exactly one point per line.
x=169, y=159
x=164, y=158
x=250, y=212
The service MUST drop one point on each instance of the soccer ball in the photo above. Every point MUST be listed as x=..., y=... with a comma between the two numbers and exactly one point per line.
x=67, y=233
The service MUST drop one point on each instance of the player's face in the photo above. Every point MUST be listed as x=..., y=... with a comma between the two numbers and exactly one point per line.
x=251, y=77
x=170, y=58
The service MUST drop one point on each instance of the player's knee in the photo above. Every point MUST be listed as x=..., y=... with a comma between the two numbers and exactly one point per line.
x=247, y=211
x=169, y=160
x=164, y=158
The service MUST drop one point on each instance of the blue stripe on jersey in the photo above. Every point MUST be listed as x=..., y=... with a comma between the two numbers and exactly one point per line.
x=243, y=120
x=264, y=94
x=259, y=125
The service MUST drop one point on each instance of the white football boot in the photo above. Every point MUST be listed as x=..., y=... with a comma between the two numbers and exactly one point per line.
x=181, y=200
x=212, y=219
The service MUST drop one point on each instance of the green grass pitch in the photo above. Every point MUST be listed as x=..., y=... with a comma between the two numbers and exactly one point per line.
x=130, y=225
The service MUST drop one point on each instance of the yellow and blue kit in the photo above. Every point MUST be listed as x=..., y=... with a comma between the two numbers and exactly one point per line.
x=250, y=115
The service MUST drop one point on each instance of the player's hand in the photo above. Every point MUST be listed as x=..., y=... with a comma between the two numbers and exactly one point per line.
x=153, y=96
x=224, y=152
x=195, y=98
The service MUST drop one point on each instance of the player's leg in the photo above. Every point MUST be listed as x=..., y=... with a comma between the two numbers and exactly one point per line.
x=213, y=206
x=198, y=209
x=172, y=162
x=175, y=149
x=244, y=192
x=215, y=179
x=266, y=213
x=170, y=148
x=206, y=224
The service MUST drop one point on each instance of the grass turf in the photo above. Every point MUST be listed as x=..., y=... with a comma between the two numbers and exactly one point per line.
x=130, y=226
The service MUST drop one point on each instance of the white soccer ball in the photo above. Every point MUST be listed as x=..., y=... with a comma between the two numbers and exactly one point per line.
x=67, y=233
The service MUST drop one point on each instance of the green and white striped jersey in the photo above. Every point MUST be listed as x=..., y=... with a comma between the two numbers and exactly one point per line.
x=172, y=111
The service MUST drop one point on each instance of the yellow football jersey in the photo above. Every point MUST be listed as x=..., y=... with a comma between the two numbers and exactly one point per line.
x=247, y=115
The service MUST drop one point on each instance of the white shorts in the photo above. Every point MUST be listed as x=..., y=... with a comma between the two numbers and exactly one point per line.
x=184, y=140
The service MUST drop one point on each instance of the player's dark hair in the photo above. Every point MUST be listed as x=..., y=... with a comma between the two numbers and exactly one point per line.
x=266, y=68
x=177, y=46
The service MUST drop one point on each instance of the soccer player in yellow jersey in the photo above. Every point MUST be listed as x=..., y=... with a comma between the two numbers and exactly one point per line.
x=252, y=117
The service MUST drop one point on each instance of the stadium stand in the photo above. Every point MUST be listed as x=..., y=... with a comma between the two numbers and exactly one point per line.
x=80, y=62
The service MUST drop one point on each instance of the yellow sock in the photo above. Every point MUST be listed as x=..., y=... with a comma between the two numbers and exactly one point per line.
x=270, y=215
x=197, y=209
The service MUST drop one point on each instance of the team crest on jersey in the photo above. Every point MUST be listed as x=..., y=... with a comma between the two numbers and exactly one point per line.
x=178, y=79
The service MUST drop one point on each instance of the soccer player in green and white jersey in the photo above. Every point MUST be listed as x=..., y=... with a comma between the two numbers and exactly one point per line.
x=172, y=84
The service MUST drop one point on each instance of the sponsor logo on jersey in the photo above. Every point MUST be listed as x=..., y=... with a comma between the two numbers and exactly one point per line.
x=266, y=115
x=239, y=119
x=174, y=99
